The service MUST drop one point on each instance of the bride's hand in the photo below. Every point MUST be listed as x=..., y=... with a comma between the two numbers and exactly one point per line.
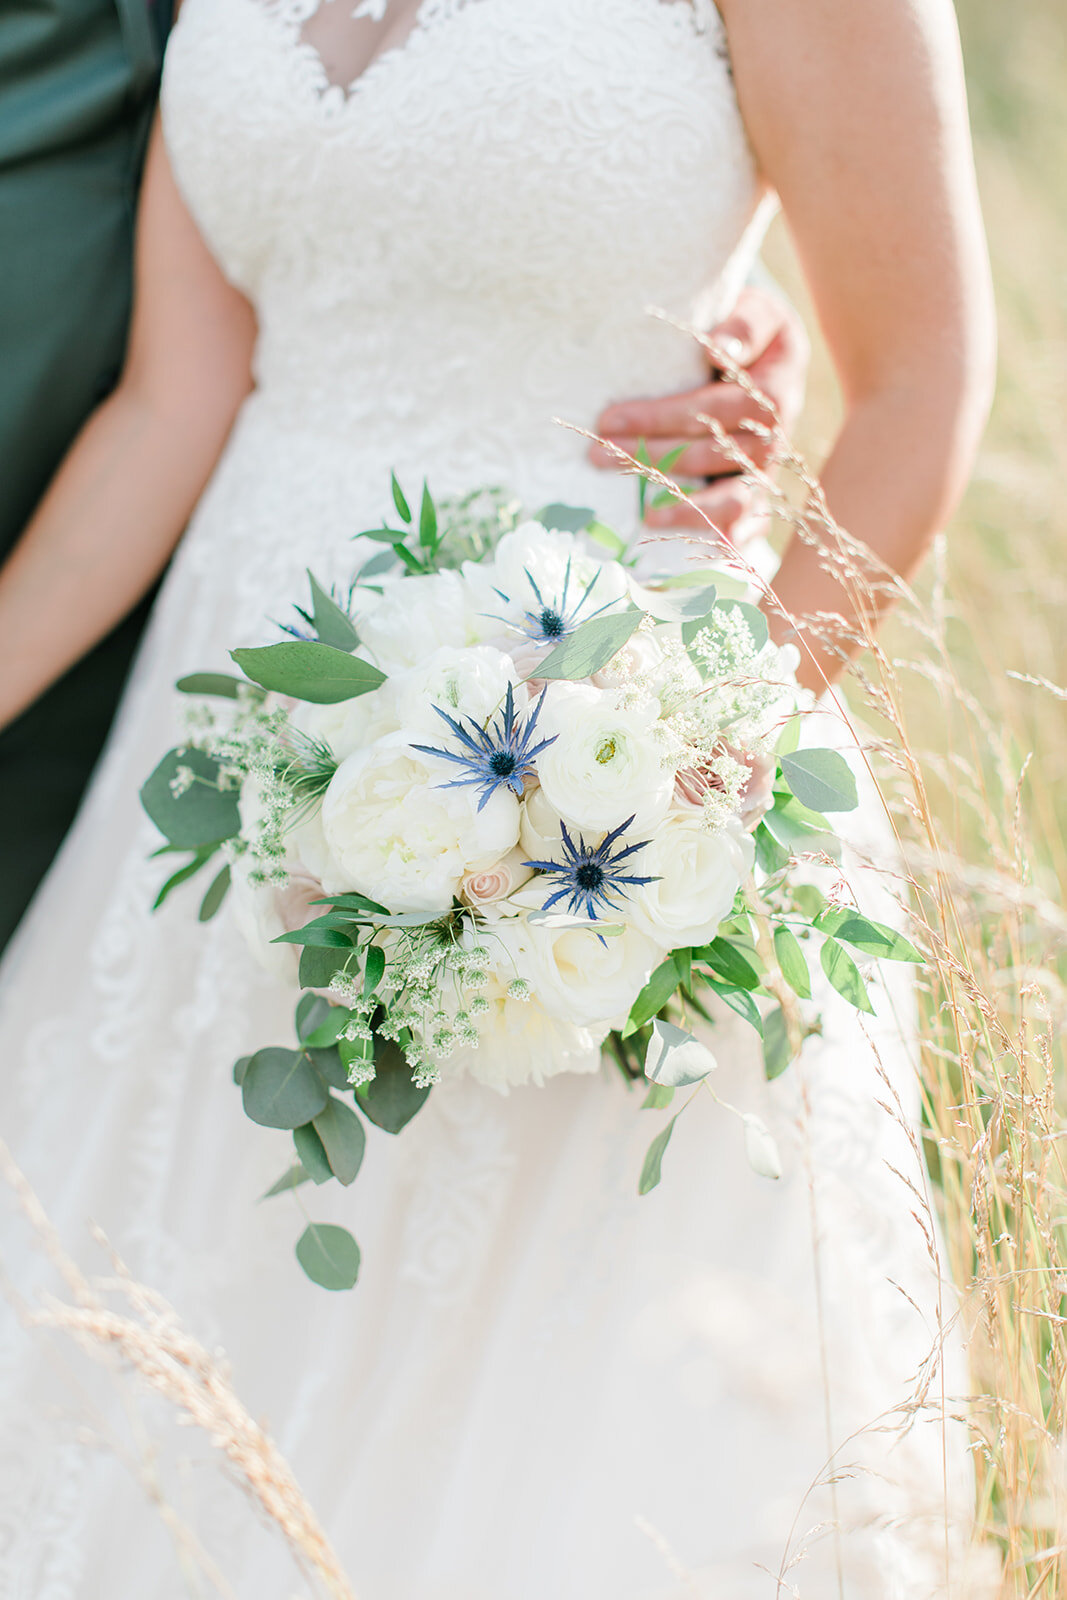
x=765, y=336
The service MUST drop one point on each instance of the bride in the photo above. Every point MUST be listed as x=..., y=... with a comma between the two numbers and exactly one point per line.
x=408, y=236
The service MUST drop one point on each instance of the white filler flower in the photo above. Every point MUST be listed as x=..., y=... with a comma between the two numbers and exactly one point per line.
x=397, y=835
x=607, y=762
x=699, y=871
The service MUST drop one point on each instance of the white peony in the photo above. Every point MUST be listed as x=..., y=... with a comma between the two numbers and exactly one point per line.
x=607, y=762
x=396, y=834
x=351, y=724
x=520, y=1043
x=417, y=615
x=698, y=873
x=582, y=978
x=465, y=683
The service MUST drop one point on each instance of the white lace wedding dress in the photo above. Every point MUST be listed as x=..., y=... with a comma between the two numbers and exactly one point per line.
x=542, y=1385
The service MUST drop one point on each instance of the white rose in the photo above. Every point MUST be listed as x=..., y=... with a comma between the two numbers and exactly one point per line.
x=540, y=834
x=465, y=683
x=606, y=763
x=581, y=978
x=698, y=873
x=417, y=615
x=398, y=836
x=264, y=911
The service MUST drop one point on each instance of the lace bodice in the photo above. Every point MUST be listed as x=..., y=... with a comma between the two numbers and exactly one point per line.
x=465, y=243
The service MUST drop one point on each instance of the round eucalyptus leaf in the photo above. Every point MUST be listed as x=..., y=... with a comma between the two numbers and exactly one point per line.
x=329, y=1255
x=282, y=1089
x=390, y=1099
x=311, y=1153
x=343, y=1139
x=183, y=799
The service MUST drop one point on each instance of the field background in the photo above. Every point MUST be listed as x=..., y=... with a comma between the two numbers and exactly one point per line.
x=1007, y=548
x=991, y=757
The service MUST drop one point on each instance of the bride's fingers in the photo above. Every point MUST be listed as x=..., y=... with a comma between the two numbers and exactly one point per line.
x=728, y=504
x=701, y=457
x=676, y=415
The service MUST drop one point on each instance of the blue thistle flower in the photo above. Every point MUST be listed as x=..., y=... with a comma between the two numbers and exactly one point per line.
x=590, y=874
x=502, y=754
x=550, y=623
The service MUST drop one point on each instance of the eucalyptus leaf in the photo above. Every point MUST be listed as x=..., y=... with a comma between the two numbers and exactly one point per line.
x=675, y=1058
x=754, y=618
x=565, y=519
x=288, y=1180
x=329, y=1255
x=792, y=962
x=332, y=624
x=329, y=1030
x=215, y=895
x=590, y=647
x=327, y=1061
x=282, y=1088
x=822, y=780
x=651, y=1172
x=390, y=1099
x=202, y=813
x=240, y=1067
x=844, y=974
x=319, y=966
x=342, y=1138
x=309, y=671
x=221, y=685
x=653, y=997
x=312, y=1155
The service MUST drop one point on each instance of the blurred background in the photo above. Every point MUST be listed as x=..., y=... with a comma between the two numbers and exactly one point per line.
x=981, y=805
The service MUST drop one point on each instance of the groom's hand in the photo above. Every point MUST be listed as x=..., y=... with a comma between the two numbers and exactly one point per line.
x=763, y=335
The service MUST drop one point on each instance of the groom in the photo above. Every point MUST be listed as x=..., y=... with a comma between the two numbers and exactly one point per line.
x=78, y=83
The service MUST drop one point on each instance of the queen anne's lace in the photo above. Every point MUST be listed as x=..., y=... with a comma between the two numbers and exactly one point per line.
x=442, y=261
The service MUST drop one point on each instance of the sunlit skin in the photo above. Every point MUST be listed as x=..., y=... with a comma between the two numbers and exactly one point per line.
x=857, y=117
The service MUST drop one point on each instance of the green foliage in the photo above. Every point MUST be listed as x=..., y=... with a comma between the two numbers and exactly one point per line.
x=215, y=895
x=739, y=968
x=591, y=646
x=675, y=1058
x=651, y=1172
x=332, y=624
x=654, y=996
x=565, y=519
x=658, y=1098
x=872, y=938
x=183, y=798
x=822, y=780
x=199, y=859
x=329, y=1255
x=309, y=671
x=221, y=685
x=791, y=962
x=342, y=1138
x=845, y=976
x=292, y=1179
x=282, y=1088
x=309, y=1148
x=390, y=1099
x=777, y=1051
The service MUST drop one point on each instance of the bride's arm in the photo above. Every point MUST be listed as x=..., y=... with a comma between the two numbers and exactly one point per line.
x=116, y=509
x=858, y=117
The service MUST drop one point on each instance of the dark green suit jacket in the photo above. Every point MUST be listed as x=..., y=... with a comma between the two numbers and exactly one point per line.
x=78, y=81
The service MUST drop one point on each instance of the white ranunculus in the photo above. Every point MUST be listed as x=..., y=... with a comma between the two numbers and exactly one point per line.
x=543, y=554
x=417, y=615
x=583, y=979
x=397, y=835
x=465, y=683
x=699, y=871
x=606, y=763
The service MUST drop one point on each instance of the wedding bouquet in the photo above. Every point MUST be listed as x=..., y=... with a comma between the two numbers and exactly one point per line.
x=499, y=808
